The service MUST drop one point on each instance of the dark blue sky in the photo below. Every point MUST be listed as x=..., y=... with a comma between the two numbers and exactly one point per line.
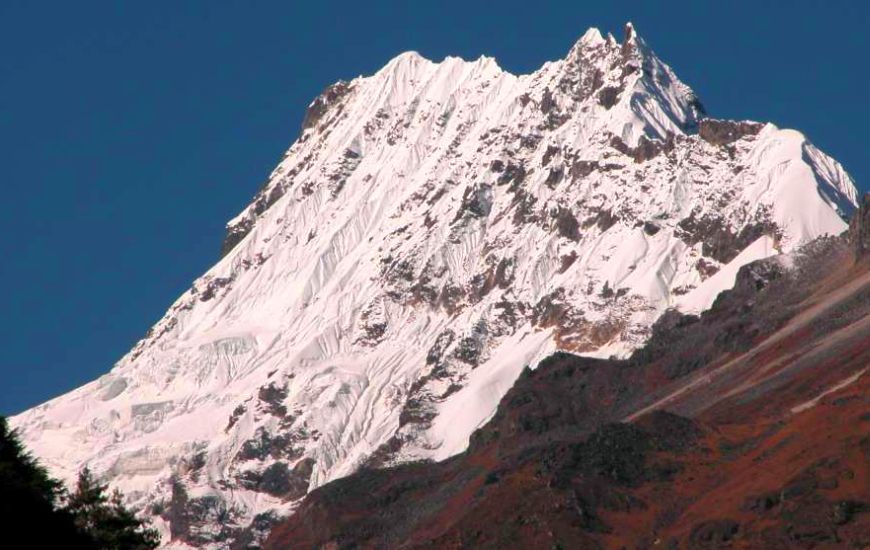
x=130, y=132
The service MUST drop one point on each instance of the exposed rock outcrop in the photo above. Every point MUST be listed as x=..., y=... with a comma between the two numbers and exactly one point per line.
x=725, y=132
x=859, y=230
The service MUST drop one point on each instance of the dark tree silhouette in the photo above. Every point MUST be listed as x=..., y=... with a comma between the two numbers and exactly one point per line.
x=36, y=512
x=105, y=518
x=29, y=512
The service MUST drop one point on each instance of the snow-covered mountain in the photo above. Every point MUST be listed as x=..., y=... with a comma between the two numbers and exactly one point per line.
x=435, y=228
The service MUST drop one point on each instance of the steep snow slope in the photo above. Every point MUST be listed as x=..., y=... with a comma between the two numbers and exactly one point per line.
x=435, y=228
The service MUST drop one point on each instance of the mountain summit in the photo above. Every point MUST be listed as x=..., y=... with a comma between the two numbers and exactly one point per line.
x=435, y=228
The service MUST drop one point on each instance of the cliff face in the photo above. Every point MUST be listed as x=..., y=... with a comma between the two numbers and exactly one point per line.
x=435, y=228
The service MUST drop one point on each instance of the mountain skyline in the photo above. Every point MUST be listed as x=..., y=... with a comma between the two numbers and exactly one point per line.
x=150, y=144
x=436, y=228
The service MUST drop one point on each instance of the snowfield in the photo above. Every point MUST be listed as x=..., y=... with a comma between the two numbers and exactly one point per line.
x=435, y=228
